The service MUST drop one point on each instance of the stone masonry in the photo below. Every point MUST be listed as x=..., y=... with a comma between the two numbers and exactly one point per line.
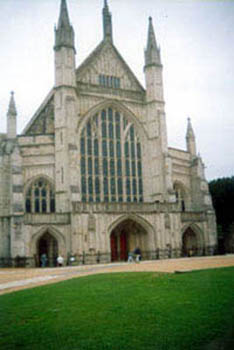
x=91, y=175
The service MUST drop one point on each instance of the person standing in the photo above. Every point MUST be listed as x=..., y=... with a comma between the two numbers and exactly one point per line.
x=43, y=260
x=60, y=260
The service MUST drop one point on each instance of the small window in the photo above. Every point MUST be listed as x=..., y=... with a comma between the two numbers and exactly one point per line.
x=28, y=205
x=90, y=185
x=82, y=166
x=109, y=81
x=82, y=146
x=90, y=166
x=96, y=151
x=104, y=129
x=126, y=148
x=104, y=148
x=89, y=144
x=96, y=165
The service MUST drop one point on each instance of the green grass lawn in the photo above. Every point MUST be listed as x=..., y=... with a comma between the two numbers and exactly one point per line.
x=140, y=311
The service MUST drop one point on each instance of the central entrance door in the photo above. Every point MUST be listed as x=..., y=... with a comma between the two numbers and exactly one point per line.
x=48, y=245
x=127, y=236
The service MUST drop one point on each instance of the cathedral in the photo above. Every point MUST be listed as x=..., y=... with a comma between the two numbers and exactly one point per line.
x=92, y=176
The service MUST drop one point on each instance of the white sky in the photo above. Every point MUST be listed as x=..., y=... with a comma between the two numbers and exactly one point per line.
x=197, y=49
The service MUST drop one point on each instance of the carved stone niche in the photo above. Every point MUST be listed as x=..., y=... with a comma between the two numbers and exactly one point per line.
x=91, y=223
x=167, y=221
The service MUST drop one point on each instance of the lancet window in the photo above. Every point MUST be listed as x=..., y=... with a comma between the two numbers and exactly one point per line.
x=40, y=197
x=110, y=159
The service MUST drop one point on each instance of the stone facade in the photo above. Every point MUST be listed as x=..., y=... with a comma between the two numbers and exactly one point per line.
x=92, y=175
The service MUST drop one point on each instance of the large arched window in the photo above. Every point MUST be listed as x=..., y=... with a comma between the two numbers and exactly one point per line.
x=110, y=159
x=40, y=197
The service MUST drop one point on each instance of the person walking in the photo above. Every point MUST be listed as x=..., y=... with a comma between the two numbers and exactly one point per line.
x=137, y=253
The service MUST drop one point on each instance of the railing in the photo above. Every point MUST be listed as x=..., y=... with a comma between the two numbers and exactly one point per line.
x=17, y=262
x=50, y=218
x=81, y=207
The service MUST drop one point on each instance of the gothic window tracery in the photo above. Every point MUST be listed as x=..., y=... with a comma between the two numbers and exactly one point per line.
x=40, y=197
x=110, y=159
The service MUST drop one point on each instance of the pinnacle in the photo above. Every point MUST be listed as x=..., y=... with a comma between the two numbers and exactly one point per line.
x=190, y=132
x=152, y=53
x=12, y=108
x=63, y=17
x=107, y=21
x=64, y=34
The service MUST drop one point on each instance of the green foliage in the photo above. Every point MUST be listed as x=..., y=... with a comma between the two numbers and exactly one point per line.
x=222, y=192
x=122, y=311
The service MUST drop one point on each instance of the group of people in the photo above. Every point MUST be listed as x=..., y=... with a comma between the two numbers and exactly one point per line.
x=132, y=256
x=44, y=259
x=135, y=255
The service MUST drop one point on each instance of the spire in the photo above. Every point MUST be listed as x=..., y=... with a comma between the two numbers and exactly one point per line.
x=63, y=16
x=12, y=108
x=190, y=132
x=11, y=118
x=152, y=52
x=190, y=139
x=64, y=33
x=107, y=22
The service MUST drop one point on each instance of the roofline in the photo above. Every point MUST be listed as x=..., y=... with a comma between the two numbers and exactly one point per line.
x=98, y=48
x=38, y=111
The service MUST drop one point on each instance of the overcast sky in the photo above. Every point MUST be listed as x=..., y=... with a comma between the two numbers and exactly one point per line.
x=197, y=49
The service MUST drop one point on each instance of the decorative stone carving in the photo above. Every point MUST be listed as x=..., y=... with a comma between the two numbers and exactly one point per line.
x=91, y=223
x=167, y=221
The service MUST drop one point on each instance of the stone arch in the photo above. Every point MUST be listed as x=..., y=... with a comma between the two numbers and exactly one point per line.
x=52, y=233
x=35, y=178
x=182, y=195
x=128, y=233
x=192, y=240
x=121, y=108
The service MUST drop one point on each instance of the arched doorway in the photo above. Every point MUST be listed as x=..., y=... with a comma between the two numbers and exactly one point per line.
x=125, y=237
x=190, y=243
x=48, y=245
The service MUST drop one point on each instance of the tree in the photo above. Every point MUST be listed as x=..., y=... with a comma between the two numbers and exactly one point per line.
x=222, y=192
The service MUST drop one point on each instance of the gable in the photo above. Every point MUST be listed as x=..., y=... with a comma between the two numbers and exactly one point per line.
x=43, y=121
x=105, y=63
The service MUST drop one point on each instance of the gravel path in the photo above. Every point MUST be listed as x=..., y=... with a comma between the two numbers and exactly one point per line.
x=16, y=279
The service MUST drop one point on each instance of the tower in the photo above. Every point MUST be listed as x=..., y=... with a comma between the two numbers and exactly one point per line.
x=156, y=122
x=64, y=105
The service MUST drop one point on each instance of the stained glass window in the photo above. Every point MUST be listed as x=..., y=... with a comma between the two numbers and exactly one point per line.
x=111, y=168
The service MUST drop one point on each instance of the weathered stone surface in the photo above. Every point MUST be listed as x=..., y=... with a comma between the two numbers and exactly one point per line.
x=78, y=179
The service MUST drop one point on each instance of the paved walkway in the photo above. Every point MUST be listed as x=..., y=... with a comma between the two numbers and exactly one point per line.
x=16, y=279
